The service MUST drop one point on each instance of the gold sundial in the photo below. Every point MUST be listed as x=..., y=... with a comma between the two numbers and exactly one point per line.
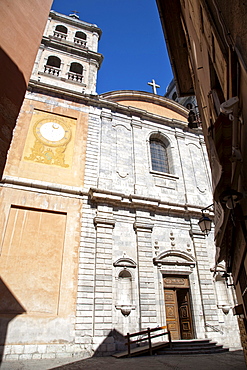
x=52, y=136
x=52, y=132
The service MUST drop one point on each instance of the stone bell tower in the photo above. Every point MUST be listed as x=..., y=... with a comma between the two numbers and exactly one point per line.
x=68, y=57
x=48, y=150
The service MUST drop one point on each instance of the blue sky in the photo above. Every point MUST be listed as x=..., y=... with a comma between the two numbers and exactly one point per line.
x=132, y=42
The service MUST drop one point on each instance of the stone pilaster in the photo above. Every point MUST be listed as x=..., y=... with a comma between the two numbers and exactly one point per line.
x=208, y=299
x=107, y=158
x=86, y=276
x=147, y=294
x=103, y=342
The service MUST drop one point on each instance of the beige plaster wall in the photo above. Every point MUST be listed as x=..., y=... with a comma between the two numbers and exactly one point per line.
x=38, y=263
x=28, y=157
x=33, y=242
x=153, y=108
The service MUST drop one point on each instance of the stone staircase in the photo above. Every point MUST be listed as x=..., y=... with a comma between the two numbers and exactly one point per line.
x=191, y=347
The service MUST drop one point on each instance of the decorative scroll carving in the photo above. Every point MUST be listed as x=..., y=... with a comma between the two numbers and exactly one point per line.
x=44, y=154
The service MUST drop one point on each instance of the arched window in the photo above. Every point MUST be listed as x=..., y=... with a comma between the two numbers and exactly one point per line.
x=53, y=61
x=60, y=32
x=80, y=38
x=81, y=35
x=159, y=157
x=62, y=29
x=53, y=65
x=76, y=68
x=75, y=72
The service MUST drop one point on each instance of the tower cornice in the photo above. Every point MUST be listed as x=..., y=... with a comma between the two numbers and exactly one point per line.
x=71, y=48
x=75, y=22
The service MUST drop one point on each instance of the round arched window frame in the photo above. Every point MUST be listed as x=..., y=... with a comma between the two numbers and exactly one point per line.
x=53, y=61
x=76, y=68
x=81, y=35
x=62, y=29
x=159, y=155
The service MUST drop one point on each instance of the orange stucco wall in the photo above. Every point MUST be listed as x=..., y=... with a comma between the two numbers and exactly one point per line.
x=153, y=108
x=29, y=157
x=22, y=25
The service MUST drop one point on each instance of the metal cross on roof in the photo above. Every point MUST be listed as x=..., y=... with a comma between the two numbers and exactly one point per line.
x=154, y=85
x=74, y=14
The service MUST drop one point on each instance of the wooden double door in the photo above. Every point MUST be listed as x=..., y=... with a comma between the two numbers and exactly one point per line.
x=178, y=307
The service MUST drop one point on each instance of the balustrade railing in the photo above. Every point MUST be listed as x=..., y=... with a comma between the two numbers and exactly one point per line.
x=52, y=70
x=80, y=42
x=60, y=35
x=75, y=76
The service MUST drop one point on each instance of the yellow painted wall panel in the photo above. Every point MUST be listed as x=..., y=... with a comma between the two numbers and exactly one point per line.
x=33, y=243
x=40, y=152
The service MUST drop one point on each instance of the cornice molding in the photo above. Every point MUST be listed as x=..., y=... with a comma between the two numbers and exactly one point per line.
x=134, y=201
x=75, y=22
x=71, y=48
x=99, y=102
x=99, y=196
x=122, y=95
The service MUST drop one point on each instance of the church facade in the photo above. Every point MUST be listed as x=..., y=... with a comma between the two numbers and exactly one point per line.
x=101, y=197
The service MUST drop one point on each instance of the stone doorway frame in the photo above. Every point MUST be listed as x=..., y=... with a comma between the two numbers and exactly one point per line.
x=181, y=326
x=176, y=263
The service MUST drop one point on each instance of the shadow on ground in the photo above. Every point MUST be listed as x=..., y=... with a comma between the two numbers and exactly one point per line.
x=233, y=360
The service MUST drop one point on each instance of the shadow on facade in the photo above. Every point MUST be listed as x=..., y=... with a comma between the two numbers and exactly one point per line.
x=12, y=91
x=114, y=342
x=9, y=309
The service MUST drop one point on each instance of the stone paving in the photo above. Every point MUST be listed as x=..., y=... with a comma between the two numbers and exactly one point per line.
x=221, y=361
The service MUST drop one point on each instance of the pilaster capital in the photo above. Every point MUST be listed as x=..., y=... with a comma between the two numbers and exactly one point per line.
x=136, y=122
x=196, y=234
x=179, y=134
x=104, y=222
x=106, y=115
x=143, y=226
x=201, y=140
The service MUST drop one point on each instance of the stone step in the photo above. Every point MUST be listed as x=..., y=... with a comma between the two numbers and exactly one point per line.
x=191, y=351
x=193, y=344
x=192, y=347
